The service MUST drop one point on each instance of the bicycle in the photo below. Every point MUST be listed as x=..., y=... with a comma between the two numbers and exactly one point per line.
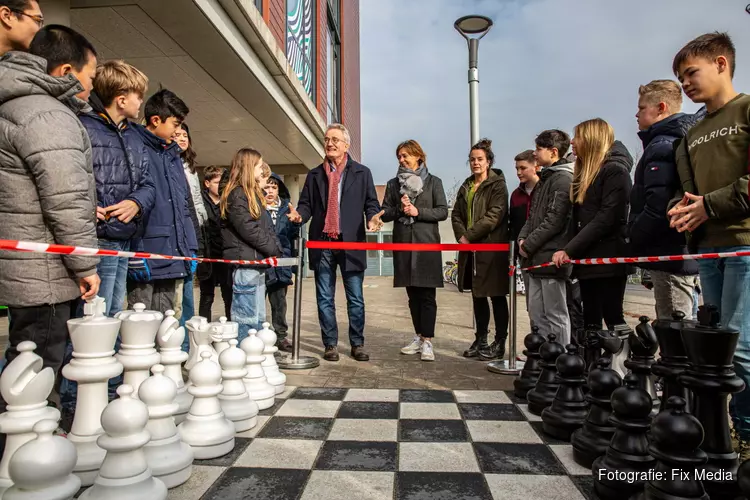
x=450, y=272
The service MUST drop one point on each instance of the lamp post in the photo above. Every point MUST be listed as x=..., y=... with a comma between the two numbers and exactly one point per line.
x=473, y=28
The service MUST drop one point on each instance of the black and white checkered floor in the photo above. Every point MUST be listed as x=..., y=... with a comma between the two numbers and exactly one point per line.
x=378, y=444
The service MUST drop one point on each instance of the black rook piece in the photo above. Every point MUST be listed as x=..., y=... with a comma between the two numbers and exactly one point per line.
x=672, y=360
x=711, y=377
x=617, y=473
x=568, y=410
x=532, y=368
x=675, y=438
x=643, y=346
x=541, y=396
x=591, y=441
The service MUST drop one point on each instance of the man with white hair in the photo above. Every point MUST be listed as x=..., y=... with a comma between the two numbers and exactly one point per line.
x=339, y=195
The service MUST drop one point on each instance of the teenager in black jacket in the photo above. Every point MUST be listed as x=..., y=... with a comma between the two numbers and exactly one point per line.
x=600, y=193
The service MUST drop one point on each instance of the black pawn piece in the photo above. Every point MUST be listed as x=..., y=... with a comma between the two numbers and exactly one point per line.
x=541, y=396
x=619, y=474
x=592, y=349
x=743, y=478
x=532, y=368
x=591, y=441
x=672, y=360
x=643, y=346
x=710, y=350
x=675, y=438
x=568, y=410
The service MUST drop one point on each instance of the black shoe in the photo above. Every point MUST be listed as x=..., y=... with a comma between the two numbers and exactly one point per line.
x=494, y=351
x=285, y=346
x=359, y=354
x=478, y=344
x=331, y=354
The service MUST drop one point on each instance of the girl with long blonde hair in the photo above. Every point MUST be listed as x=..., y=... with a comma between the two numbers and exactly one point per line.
x=600, y=195
x=248, y=234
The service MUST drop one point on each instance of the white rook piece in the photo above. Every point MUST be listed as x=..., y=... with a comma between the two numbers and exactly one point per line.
x=206, y=428
x=137, y=353
x=202, y=335
x=167, y=456
x=255, y=381
x=25, y=386
x=125, y=474
x=229, y=330
x=270, y=367
x=170, y=338
x=235, y=402
x=93, y=364
x=42, y=468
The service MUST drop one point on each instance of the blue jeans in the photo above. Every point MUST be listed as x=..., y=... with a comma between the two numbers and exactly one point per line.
x=188, y=309
x=248, y=300
x=726, y=284
x=325, y=290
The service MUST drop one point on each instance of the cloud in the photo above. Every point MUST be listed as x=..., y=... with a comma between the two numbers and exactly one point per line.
x=544, y=64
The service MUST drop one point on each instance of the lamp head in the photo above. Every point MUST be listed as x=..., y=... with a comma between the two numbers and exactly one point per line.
x=473, y=26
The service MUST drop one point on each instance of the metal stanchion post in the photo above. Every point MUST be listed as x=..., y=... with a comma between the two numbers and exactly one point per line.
x=295, y=361
x=510, y=366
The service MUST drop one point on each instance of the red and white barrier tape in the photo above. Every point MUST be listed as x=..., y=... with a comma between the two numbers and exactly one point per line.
x=410, y=247
x=646, y=260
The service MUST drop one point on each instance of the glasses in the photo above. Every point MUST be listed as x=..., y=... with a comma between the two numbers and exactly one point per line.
x=333, y=140
x=37, y=19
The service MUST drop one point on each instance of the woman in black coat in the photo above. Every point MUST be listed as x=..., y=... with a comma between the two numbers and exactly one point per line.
x=415, y=201
x=600, y=194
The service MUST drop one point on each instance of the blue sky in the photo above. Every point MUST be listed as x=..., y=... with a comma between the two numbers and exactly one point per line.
x=545, y=64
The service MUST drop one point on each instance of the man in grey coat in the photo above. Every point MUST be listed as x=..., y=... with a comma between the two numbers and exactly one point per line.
x=47, y=189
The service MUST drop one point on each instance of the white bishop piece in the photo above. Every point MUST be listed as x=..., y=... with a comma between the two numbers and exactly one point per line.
x=229, y=330
x=206, y=429
x=25, y=386
x=93, y=364
x=125, y=474
x=170, y=338
x=270, y=367
x=168, y=457
x=235, y=402
x=202, y=335
x=137, y=353
x=43, y=467
x=255, y=381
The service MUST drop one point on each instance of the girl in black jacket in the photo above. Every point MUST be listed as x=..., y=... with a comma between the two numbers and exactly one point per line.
x=248, y=234
x=600, y=193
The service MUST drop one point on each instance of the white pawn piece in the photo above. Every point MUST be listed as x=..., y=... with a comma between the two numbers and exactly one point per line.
x=125, y=474
x=168, y=457
x=270, y=367
x=206, y=429
x=137, y=353
x=229, y=330
x=25, y=386
x=93, y=364
x=235, y=402
x=170, y=338
x=43, y=467
x=255, y=381
x=202, y=335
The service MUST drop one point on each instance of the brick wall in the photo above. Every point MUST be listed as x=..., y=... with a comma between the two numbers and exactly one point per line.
x=276, y=20
x=350, y=107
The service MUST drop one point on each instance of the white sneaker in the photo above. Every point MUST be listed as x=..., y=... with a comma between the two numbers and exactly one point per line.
x=414, y=347
x=427, y=354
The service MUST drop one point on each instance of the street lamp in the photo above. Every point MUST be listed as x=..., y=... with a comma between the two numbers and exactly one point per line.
x=473, y=28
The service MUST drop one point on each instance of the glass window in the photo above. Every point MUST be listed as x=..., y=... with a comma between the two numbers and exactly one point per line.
x=372, y=254
x=259, y=5
x=300, y=42
x=388, y=238
x=333, y=59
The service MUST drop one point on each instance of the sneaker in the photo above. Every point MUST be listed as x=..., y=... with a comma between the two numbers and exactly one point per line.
x=61, y=432
x=414, y=347
x=427, y=353
x=331, y=354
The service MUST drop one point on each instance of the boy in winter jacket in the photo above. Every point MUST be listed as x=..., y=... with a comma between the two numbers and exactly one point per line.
x=545, y=232
x=520, y=201
x=278, y=279
x=713, y=208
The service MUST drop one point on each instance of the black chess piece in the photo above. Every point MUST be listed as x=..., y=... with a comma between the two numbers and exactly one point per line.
x=541, y=396
x=673, y=360
x=591, y=441
x=675, y=439
x=592, y=349
x=532, y=368
x=710, y=349
x=743, y=479
x=615, y=345
x=620, y=473
x=568, y=410
x=643, y=346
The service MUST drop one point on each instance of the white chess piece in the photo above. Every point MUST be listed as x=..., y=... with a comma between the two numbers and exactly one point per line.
x=235, y=401
x=169, y=459
x=229, y=331
x=43, y=467
x=270, y=367
x=170, y=338
x=25, y=386
x=125, y=473
x=202, y=336
x=255, y=381
x=137, y=353
x=206, y=429
x=93, y=364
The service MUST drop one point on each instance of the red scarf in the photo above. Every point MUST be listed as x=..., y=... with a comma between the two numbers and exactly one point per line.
x=334, y=174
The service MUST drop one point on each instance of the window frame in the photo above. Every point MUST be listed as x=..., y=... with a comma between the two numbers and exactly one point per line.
x=312, y=60
x=333, y=14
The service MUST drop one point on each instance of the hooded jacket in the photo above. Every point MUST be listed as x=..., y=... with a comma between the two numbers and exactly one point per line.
x=656, y=182
x=520, y=205
x=243, y=236
x=47, y=187
x=120, y=164
x=287, y=233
